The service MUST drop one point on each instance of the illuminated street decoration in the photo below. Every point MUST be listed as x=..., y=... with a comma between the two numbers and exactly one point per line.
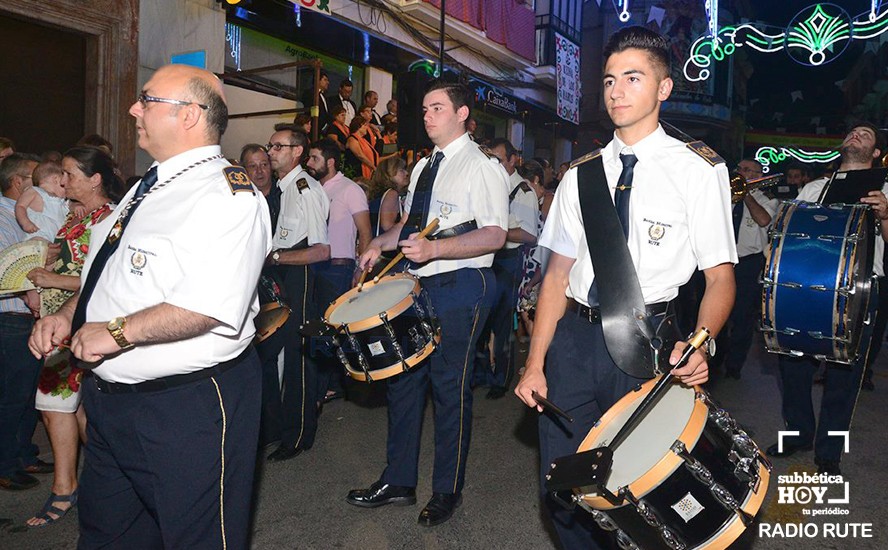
x=712, y=14
x=233, y=37
x=622, y=7
x=815, y=36
x=767, y=156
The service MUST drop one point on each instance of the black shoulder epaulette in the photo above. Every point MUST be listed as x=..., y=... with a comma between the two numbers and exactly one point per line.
x=301, y=184
x=487, y=152
x=705, y=152
x=525, y=187
x=587, y=157
x=237, y=179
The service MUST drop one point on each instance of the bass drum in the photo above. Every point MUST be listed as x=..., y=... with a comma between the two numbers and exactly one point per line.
x=691, y=478
x=817, y=281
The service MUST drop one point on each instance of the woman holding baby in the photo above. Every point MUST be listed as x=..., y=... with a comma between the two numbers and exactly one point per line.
x=89, y=177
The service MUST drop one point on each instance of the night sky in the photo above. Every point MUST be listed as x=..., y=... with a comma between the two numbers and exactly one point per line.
x=775, y=75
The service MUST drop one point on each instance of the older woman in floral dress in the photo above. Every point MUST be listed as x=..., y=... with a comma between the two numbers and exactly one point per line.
x=90, y=178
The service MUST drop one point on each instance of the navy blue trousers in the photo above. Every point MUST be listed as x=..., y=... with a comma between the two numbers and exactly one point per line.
x=583, y=380
x=19, y=372
x=461, y=300
x=508, y=270
x=162, y=469
x=332, y=281
x=746, y=313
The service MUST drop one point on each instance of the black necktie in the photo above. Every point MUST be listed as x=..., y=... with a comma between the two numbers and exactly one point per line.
x=422, y=198
x=621, y=203
x=108, y=248
x=737, y=215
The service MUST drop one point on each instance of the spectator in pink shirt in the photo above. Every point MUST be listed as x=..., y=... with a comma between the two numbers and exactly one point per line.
x=348, y=225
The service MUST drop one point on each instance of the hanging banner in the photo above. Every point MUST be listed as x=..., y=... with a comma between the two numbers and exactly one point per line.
x=567, y=77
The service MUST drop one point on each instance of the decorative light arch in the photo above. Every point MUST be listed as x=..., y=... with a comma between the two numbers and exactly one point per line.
x=816, y=35
x=766, y=156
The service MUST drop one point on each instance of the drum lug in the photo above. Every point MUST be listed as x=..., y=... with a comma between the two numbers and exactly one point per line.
x=817, y=335
x=603, y=520
x=844, y=291
x=362, y=360
x=394, y=338
x=649, y=515
x=801, y=236
x=341, y=354
x=625, y=542
x=789, y=331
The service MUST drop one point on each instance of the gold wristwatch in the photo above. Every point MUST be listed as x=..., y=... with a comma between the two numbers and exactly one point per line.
x=115, y=327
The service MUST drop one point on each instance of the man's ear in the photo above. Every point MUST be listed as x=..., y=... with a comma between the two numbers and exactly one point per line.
x=664, y=89
x=193, y=114
x=877, y=153
x=462, y=114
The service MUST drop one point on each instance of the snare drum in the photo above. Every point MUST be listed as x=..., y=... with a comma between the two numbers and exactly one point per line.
x=690, y=476
x=385, y=329
x=817, y=280
x=270, y=318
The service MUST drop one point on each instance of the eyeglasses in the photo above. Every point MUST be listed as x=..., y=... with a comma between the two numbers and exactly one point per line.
x=145, y=98
x=277, y=146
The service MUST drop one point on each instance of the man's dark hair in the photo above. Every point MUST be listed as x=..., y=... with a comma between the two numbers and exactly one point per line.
x=458, y=93
x=329, y=150
x=91, y=161
x=249, y=149
x=346, y=83
x=14, y=165
x=880, y=137
x=640, y=38
x=368, y=94
x=6, y=143
x=530, y=169
x=200, y=91
x=390, y=128
x=297, y=136
x=510, y=149
x=323, y=76
x=797, y=166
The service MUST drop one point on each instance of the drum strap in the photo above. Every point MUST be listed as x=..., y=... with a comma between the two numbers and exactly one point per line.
x=628, y=331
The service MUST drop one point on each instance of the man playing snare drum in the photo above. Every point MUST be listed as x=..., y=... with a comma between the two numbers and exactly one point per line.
x=467, y=190
x=678, y=219
x=863, y=144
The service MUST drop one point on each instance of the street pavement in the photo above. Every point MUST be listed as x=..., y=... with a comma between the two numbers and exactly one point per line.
x=300, y=504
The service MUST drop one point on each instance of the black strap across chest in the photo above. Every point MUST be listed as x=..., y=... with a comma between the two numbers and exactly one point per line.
x=627, y=328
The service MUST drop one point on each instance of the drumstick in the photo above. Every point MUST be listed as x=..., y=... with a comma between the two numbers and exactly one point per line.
x=428, y=229
x=659, y=388
x=549, y=406
x=363, y=276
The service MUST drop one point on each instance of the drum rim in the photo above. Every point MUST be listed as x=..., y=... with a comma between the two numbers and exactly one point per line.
x=667, y=464
x=375, y=320
x=731, y=530
x=397, y=368
x=265, y=308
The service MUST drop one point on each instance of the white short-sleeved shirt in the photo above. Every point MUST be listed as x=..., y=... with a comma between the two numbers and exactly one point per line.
x=469, y=186
x=753, y=238
x=523, y=210
x=680, y=214
x=304, y=211
x=811, y=193
x=195, y=244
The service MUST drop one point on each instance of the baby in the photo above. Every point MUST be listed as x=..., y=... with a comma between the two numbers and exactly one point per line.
x=42, y=209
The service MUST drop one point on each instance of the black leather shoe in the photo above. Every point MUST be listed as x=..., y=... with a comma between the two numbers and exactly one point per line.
x=829, y=467
x=788, y=450
x=439, y=509
x=496, y=393
x=18, y=481
x=40, y=468
x=380, y=494
x=286, y=453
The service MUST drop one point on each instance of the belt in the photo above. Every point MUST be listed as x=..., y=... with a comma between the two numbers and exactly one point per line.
x=17, y=314
x=168, y=382
x=342, y=261
x=593, y=314
x=506, y=253
x=454, y=231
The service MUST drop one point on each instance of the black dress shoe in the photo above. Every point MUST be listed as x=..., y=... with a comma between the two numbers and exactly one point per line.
x=496, y=393
x=788, y=450
x=286, y=453
x=868, y=385
x=380, y=494
x=18, y=481
x=40, y=468
x=829, y=467
x=439, y=509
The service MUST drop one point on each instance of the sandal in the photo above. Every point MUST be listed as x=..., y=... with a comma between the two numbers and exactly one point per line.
x=49, y=507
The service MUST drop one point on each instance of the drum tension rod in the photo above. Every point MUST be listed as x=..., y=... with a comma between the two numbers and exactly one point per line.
x=361, y=359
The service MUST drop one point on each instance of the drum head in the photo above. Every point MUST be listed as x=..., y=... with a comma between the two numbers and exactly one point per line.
x=374, y=298
x=651, y=438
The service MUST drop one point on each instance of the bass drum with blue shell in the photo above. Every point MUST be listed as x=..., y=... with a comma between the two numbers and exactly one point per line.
x=818, y=280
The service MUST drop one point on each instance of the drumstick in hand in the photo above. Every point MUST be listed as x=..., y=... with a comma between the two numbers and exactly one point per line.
x=428, y=229
x=363, y=276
